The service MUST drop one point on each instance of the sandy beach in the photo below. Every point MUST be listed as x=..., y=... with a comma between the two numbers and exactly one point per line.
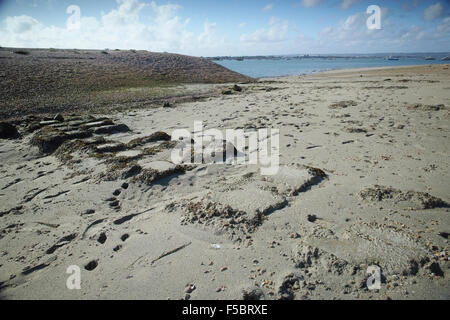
x=363, y=181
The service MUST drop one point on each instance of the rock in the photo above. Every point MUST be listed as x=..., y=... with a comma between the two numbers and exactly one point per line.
x=435, y=268
x=312, y=218
x=59, y=117
x=190, y=288
x=124, y=186
x=8, y=131
x=114, y=204
x=102, y=238
x=294, y=235
x=167, y=105
x=252, y=294
x=444, y=234
x=236, y=88
x=111, y=129
x=88, y=211
x=91, y=265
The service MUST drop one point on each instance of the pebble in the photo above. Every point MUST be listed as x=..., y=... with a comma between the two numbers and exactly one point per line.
x=190, y=288
x=89, y=211
x=114, y=204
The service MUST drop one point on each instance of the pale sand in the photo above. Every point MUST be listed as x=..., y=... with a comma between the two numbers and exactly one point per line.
x=383, y=138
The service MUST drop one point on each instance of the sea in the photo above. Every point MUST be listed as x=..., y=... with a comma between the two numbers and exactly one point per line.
x=275, y=66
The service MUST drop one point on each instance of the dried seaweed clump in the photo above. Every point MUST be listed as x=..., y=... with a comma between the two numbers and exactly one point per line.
x=222, y=216
x=154, y=137
x=150, y=176
x=49, y=139
x=421, y=200
x=65, y=151
x=343, y=104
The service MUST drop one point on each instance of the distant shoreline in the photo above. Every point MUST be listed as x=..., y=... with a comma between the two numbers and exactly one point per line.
x=435, y=55
x=270, y=68
x=352, y=70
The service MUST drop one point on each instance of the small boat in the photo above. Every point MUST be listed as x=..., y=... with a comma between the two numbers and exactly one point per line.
x=447, y=58
x=429, y=58
x=392, y=58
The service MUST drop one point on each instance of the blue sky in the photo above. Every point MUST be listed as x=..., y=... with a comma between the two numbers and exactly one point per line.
x=228, y=27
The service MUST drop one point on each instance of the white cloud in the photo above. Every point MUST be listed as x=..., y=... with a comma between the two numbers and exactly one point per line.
x=21, y=24
x=120, y=28
x=268, y=7
x=345, y=4
x=351, y=35
x=444, y=26
x=126, y=14
x=311, y=3
x=433, y=12
x=207, y=36
x=133, y=24
x=276, y=32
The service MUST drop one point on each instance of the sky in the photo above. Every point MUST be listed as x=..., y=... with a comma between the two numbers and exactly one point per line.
x=227, y=27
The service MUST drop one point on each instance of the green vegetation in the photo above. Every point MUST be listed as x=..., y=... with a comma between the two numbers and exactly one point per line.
x=22, y=52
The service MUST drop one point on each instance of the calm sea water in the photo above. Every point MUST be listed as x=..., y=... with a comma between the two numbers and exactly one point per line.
x=273, y=68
